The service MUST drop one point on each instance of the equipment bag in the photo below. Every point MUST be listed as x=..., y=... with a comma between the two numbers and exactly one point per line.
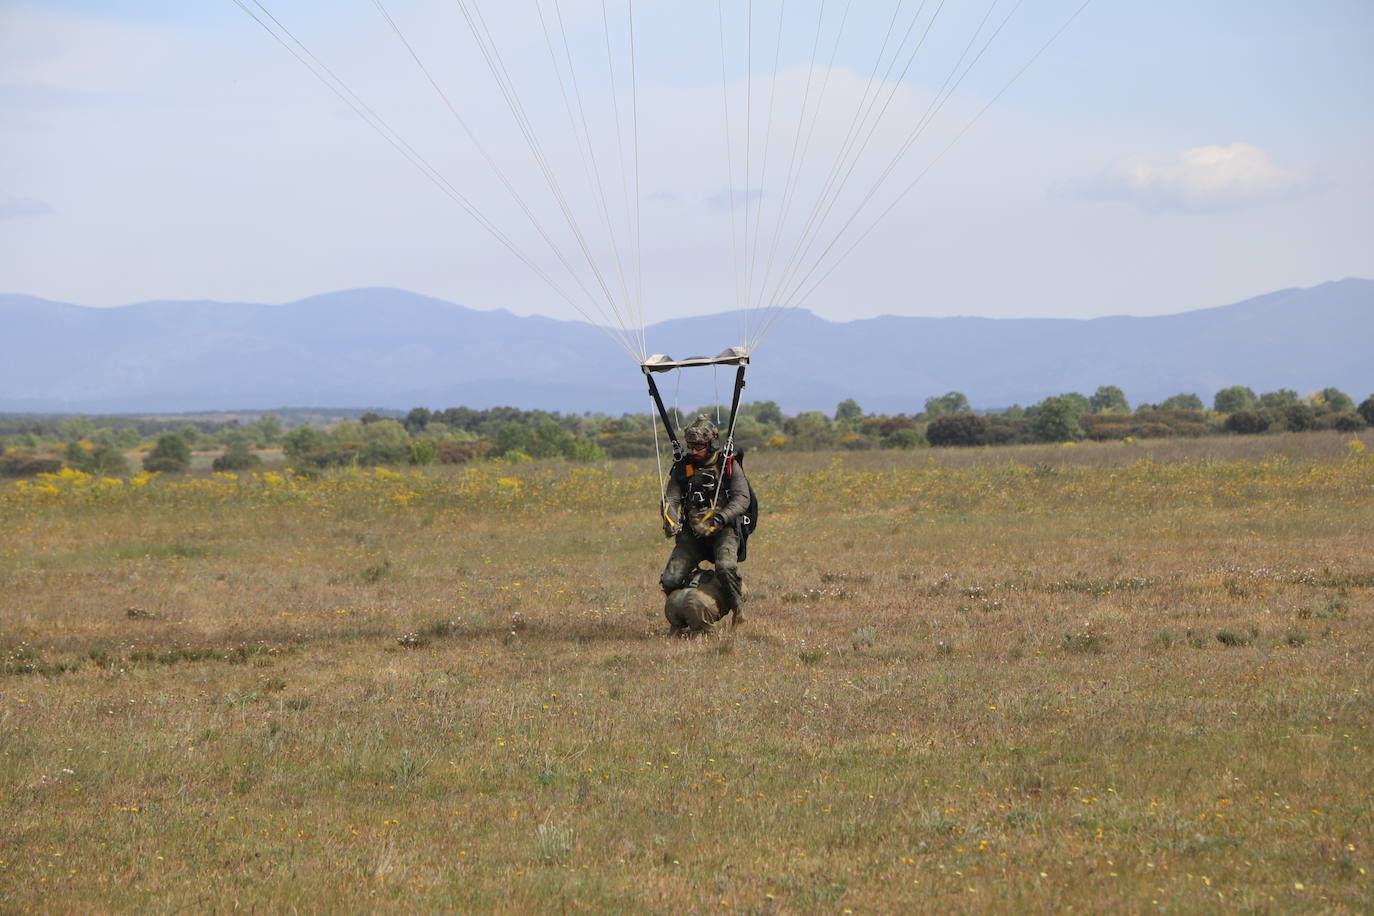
x=747, y=522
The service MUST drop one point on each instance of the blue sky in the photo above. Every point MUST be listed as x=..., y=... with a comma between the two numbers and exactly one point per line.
x=1159, y=157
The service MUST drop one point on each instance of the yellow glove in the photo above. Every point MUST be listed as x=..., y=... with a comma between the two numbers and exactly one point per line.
x=708, y=525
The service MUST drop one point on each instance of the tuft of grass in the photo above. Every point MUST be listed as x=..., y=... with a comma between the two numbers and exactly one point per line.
x=176, y=550
x=406, y=768
x=1233, y=639
x=864, y=636
x=441, y=629
x=1090, y=585
x=550, y=771
x=1086, y=641
x=375, y=573
x=553, y=844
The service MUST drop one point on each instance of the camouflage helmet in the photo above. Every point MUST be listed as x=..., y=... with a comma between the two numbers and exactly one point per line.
x=701, y=432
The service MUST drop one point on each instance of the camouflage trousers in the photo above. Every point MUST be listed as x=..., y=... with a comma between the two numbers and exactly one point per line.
x=720, y=550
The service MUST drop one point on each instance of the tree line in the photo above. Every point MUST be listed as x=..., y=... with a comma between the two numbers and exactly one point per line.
x=456, y=435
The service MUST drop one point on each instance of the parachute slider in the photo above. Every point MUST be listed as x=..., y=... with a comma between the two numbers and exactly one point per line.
x=734, y=356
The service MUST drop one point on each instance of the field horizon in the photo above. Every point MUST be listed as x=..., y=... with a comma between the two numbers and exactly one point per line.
x=1104, y=677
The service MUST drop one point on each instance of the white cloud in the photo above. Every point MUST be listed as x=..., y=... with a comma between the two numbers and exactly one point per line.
x=12, y=207
x=1204, y=179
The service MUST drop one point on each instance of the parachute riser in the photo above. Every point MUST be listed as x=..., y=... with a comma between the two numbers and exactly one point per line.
x=729, y=451
x=678, y=451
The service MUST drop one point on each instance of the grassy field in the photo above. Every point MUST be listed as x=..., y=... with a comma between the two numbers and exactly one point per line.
x=1126, y=678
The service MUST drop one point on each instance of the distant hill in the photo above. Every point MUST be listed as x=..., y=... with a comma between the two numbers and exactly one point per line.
x=391, y=348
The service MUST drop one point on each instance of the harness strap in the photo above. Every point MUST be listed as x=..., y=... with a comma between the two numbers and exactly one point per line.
x=678, y=451
x=730, y=434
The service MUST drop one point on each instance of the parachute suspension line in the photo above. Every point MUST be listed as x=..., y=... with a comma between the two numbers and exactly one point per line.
x=952, y=143
x=658, y=459
x=789, y=288
x=481, y=33
x=789, y=194
x=827, y=201
x=847, y=144
x=321, y=71
x=859, y=111
x=491, y=54
x=740, y=305
x=748, y=140
x=491, y=162
x=767, y=147
x=858, y=138
x=583, y=138
x=789, y=183
x=946, y=91
x=638, y=223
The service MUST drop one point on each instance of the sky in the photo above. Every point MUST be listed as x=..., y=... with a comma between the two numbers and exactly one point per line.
x=1154, y=158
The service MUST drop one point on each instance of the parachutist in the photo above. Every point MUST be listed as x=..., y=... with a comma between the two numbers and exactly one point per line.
x=706, y=504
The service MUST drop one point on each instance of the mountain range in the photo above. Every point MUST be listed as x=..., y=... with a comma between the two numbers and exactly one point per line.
x=389, y=348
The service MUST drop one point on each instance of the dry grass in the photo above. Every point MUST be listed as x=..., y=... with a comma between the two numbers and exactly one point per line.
x=1102, y=678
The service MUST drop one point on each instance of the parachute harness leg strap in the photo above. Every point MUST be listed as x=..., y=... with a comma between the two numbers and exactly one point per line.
x=729, y=452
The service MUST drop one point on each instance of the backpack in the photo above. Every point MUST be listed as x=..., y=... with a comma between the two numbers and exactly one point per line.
x=747, y=522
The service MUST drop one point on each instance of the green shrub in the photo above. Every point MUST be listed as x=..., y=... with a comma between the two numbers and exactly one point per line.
x=331, y=455
x=1182, y=402
x=902, y=438
x=1336, y=400
x=1230, y=400
x=21, y=465
x=236, y=457
x=1249, y=422
x=856, y=442
x=163, y=465
x=375, y=453
x=1109, y=399
x=1298, y=417
x=171, y=454
x=1056, y=420
x=1009, y=430
x=301, y=441
x=423, y=452
x=460, y=452
x=587, y=451
x=1281, y=398
x=107, y=460
x=1366, y=409
x=957, y=429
